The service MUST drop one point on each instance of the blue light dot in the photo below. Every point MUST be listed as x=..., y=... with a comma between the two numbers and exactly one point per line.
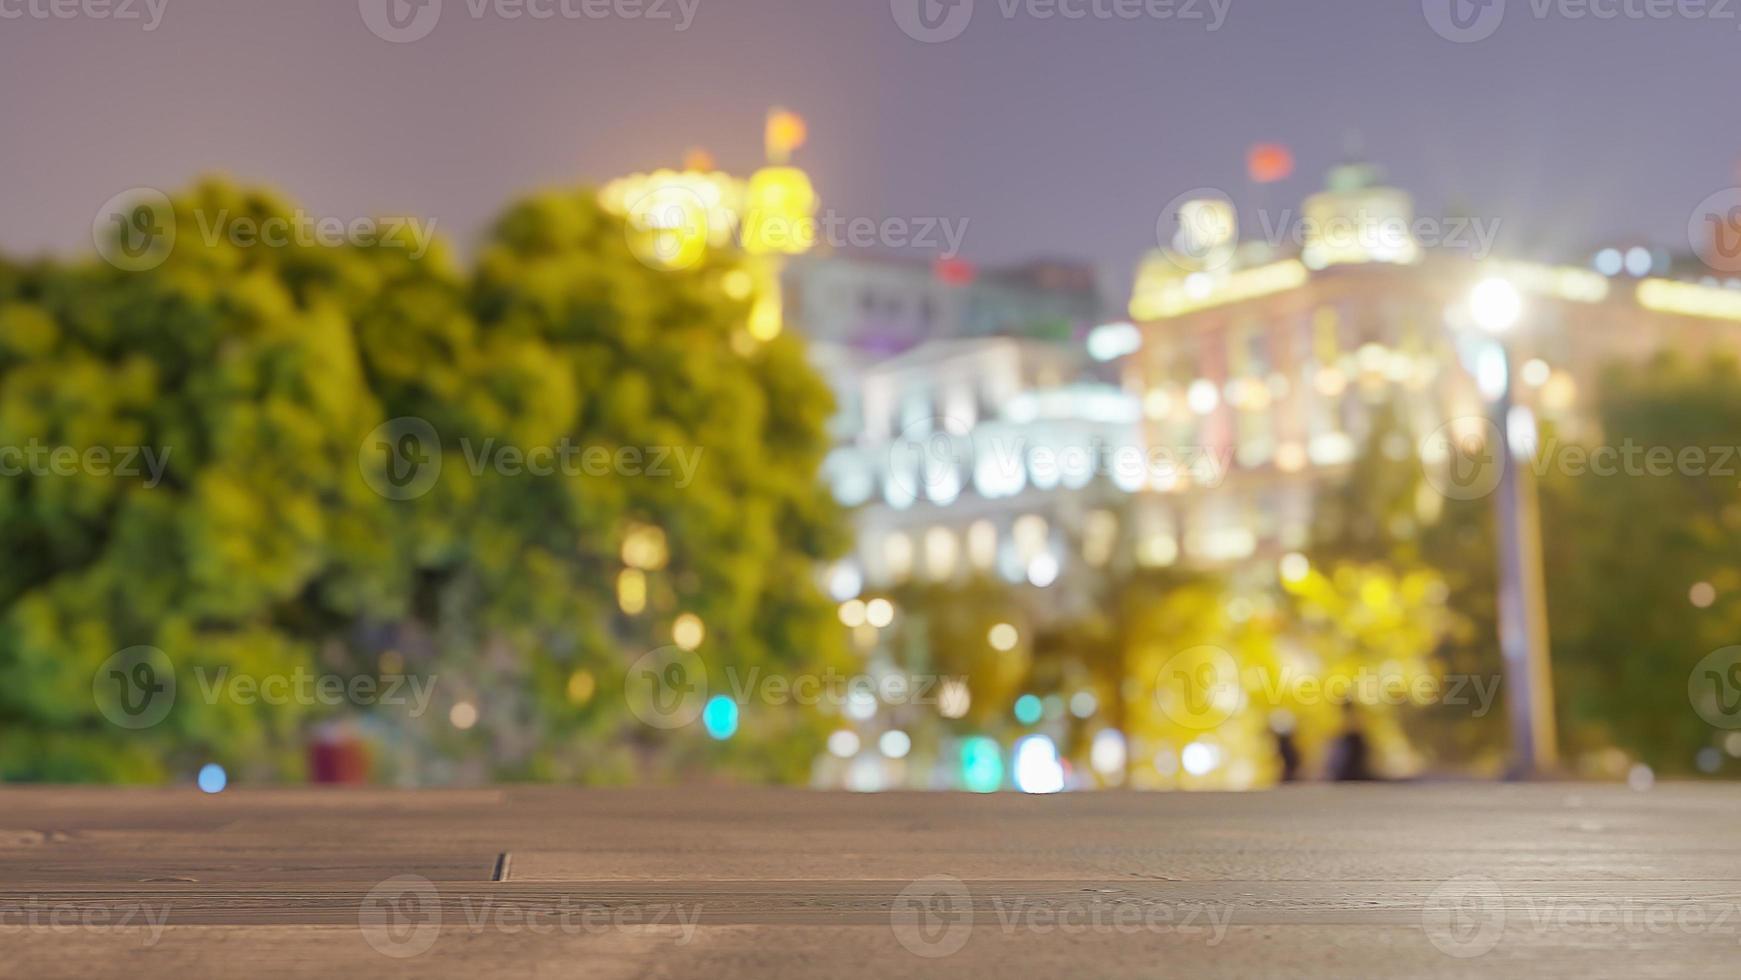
x=1028, y=709
x=720, y=717
x=212, y=778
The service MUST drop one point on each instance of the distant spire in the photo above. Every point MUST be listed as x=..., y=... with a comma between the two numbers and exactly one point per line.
x=786, y=131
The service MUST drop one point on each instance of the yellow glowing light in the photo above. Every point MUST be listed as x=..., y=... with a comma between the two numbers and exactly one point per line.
x=673, y=217
x=581, y=686
x=463, y=715
x=688, y=631
x=1330, y=382
x=786, y=132
x=1690, y=299
x=879, y=612
x=779, y=212
x=1560, y=392
x=1565, y=282
x=852, y=613
x=1160, y=293
x=1003, y=637
x=1206, y=225
x=1290, y=457
x=632, y=591
x=738, y=284
x=1158, y=403
x=954, y=698
x=644, y=547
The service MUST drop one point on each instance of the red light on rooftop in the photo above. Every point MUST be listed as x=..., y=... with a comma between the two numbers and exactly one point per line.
x=955, y=272
x=1269, y=162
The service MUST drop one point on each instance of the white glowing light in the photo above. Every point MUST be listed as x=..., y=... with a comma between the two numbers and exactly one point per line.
x=1107, y=753
x=1113, y=340
x=1198, y=758
x=861, y=705
x=879, y=612
x=1037, y=768
x=895, y=744
x=1202, y=396
x=843, y=743
x=1496, y=305
x=1638, y=261
x=1043, y=570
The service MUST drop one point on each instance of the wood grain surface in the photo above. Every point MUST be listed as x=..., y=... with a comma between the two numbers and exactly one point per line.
x=1422, y=880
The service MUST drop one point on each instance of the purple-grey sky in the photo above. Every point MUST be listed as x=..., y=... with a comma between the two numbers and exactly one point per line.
x=1050, y=136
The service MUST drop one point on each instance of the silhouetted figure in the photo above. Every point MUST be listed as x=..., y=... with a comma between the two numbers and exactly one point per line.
x=1350, y=756
x=1290, y=756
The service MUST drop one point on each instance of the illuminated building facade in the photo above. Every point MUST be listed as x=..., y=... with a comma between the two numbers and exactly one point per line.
x=1279, y=361
x=988, y=456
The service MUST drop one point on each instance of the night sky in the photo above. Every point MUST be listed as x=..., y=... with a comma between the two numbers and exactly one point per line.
x=1051, y=137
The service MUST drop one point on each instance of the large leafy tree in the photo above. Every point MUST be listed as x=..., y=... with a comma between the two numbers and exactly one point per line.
x=259, y=374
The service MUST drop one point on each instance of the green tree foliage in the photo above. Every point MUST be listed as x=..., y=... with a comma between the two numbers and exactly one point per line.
x=260, y=373
x=1401, y=586
x=1623, y=551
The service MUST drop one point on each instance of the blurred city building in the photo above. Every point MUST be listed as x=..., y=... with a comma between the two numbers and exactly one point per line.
x=1004, y=426
x=1278, y=360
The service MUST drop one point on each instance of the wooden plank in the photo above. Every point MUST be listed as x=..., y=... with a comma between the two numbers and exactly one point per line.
x=1551, y=880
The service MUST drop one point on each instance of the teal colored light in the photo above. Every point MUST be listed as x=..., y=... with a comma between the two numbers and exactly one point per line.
x=720, y=717
x=981, y=765
x=1028, y=709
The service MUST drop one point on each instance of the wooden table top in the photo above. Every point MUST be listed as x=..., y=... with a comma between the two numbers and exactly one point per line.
x=1362, y=881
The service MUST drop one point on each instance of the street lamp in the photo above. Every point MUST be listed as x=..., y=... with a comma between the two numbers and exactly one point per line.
x=1496, y=307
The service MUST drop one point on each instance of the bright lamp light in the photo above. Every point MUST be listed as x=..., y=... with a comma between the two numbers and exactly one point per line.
x=1496, y=305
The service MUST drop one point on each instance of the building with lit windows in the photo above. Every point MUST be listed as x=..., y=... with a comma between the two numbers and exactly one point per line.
x=1277, y=361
